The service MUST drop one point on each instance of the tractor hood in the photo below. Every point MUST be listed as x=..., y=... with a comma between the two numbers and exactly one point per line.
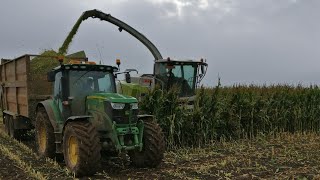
x=113, y=97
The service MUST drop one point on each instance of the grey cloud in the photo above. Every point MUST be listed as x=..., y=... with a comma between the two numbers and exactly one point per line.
x=256, y=41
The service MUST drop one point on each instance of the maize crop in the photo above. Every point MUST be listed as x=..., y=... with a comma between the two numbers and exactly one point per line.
x=235, y=112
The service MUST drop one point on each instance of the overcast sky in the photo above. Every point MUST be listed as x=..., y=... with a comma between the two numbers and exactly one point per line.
x=244, y=41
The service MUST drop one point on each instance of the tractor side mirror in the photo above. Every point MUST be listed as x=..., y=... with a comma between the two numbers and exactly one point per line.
x=51, y=76
x=128, y=78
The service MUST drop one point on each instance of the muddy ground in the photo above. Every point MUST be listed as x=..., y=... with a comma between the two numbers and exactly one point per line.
x=284, y=156
x=11, y=170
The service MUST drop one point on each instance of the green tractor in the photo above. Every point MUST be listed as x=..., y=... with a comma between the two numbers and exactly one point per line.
x=86, y=117
x=77, y=112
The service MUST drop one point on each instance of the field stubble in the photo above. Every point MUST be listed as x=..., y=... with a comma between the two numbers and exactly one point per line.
x=241, y=133
x=282, y=156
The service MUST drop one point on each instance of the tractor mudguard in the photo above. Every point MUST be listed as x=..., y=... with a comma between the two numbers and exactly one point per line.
x=76, y=118
x=145, y=116
x=53, y=113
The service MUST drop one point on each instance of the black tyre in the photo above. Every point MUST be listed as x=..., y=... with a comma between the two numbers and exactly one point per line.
x=153, y=147
x=6, y=124
x=81, y=148
x=10, y=130
x=44, y=134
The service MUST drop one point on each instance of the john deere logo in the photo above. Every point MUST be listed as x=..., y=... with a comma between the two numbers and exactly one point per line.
x=127, y=113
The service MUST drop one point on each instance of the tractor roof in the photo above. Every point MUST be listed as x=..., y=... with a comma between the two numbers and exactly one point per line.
x=86, y=67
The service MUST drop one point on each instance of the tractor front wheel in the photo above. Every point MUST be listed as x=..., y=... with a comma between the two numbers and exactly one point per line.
x=153, y=147
x=81, y=148
x=44, y=135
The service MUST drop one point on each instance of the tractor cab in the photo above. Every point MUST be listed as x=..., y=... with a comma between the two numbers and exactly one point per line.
x=74, y=82
x=185, y=75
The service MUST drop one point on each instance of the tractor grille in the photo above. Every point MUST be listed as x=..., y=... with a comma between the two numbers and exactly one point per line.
x=121, y=116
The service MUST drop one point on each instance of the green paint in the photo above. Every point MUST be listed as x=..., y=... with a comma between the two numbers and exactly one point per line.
x=133, y=89
x=115, y=132
x=113, y=97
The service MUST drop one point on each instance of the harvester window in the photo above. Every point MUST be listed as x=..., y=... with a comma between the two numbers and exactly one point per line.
x=189, y=72
x=180, y=75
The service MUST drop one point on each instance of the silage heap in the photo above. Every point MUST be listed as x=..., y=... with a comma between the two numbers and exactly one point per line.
x=39, y=87
x=39, y=67
x=44, y=63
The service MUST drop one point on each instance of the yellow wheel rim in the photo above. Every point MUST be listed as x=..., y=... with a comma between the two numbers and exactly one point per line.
x=42, y=140
x=73, y=150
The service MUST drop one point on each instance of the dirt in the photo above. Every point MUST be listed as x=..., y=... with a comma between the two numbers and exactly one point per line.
x=286, y=156
x=30, y=165
x=11, y=170
x=282, y=156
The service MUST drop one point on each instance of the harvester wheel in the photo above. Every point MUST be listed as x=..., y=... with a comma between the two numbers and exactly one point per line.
x=44, y=135
x=153, y=147
x=81, y=148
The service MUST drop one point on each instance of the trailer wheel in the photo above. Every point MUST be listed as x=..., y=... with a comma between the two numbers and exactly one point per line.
x=9, y=128
x=44, y=135
x=81, y=148
x=12, y=132
x=153, y=147
x=6, y=124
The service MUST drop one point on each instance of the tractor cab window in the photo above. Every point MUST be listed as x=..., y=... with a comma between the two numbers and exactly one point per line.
x=105, y=84
x=87, y=82
x=57, y=86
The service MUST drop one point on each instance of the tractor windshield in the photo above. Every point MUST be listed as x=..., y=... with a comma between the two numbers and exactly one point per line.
x=179, y=75
x=87, y=82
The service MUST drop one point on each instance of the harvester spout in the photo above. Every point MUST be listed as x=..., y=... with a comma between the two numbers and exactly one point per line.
x=122, y=26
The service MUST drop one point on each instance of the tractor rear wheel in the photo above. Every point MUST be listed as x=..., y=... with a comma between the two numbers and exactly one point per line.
x=153, y=147
x=81, y=148
x=45, y=140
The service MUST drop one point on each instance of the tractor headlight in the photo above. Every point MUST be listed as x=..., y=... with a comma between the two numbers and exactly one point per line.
x=117, y=105
x=134, y=106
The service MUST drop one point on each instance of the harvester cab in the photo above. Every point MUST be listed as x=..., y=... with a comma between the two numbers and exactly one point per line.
x=182, y=74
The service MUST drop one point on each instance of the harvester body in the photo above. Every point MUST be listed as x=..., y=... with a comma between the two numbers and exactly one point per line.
x=185, y=75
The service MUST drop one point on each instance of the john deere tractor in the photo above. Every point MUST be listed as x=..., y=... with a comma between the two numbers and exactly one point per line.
x=86, y=117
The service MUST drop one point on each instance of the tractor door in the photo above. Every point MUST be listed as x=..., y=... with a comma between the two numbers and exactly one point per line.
x=60, y=93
